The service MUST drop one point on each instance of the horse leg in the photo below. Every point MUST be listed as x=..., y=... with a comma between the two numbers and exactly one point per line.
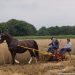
x=35, y=57
x=30, y=60
x=16, y=61
x=13, y=57
x=32, y=55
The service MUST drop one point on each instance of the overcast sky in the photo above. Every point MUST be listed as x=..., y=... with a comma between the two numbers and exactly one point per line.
x=39, y=12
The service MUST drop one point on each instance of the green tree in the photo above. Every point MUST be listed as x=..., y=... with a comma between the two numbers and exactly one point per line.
x=43, y=31
x=16, y=27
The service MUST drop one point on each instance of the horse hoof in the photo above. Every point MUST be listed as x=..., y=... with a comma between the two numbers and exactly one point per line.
x=29, y=62
x=17, y=62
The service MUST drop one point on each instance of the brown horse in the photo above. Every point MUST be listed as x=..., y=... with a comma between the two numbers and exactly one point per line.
x=14, y=48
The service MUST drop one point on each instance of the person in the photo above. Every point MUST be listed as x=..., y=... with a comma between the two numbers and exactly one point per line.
x=54, y=45
x=67, y=48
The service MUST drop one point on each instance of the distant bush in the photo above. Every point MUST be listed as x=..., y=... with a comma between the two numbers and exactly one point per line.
x=22, y=28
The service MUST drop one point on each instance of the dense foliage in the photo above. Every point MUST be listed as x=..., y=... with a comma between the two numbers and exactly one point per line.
x=63, y=30
x=18, y=28
x=22, y=28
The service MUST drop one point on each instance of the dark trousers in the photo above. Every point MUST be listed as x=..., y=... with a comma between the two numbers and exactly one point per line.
x=64, y=50
x=52, y=49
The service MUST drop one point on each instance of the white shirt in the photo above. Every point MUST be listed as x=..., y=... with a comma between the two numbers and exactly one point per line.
x=68, y=45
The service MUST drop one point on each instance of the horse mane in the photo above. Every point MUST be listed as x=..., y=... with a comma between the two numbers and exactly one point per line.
x=8, y=35
x=10, y=39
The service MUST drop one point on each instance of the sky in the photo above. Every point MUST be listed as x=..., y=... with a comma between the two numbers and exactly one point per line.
x=39, y=12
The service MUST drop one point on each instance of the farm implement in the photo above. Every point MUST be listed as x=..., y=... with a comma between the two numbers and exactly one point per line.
x=52, y=56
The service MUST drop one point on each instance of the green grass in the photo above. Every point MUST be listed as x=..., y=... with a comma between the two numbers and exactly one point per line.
x=45, y=37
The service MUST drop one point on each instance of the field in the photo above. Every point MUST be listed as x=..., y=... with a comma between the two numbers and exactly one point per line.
x=42, y=67
x=45, y=37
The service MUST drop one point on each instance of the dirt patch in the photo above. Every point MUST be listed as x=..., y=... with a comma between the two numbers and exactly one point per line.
x=38, y=69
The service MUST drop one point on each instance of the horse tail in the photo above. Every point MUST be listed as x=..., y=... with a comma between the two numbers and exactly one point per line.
x=36, y=47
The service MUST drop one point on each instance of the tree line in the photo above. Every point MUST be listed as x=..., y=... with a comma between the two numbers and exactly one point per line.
x=22, y=28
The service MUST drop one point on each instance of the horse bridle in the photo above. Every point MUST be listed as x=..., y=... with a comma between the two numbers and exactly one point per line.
x=0, y=37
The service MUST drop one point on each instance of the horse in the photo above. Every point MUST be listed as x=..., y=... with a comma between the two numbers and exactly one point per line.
x=14, y=46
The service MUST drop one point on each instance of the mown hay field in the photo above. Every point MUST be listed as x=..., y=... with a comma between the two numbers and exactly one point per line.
x=42, y=68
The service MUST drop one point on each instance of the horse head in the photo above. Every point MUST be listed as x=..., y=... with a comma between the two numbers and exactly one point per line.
x=2, y=37
x=5, y=36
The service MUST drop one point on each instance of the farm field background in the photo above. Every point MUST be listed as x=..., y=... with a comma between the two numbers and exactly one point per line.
x=45, y=37
x=42, y=68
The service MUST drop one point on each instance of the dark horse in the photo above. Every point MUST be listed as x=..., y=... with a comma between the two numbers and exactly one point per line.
x=14, y=48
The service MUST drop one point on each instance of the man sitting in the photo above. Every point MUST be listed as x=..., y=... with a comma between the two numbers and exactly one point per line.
x=67, y=48
x=54, y=45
